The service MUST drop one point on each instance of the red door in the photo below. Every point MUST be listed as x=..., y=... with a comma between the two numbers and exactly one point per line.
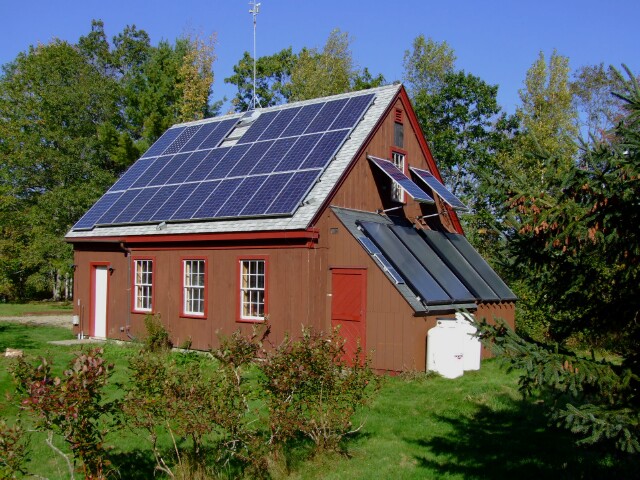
x=348, y=306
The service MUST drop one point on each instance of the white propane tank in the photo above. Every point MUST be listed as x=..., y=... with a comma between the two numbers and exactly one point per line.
x=471, y=346
x=445, y=349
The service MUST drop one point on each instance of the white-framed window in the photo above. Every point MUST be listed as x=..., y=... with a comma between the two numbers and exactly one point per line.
x=193, y=287
x=397, y=193
x=253, y=279
x=143, y=285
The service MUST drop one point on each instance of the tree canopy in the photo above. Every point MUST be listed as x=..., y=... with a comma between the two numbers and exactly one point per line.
x=286, y=76
x=72, y=118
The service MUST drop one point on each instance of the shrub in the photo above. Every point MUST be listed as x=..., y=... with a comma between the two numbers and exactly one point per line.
x=182, y=395
x=71, y=406
x=13, y=450
x=312, y=390
x=157, y=337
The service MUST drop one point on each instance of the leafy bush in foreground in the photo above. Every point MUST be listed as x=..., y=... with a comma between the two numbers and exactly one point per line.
x=312, y=390
x=71, y=406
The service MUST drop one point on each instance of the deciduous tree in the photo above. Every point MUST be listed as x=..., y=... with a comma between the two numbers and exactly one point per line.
x=273, y=79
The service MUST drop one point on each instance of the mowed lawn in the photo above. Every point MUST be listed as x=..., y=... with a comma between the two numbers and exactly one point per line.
x=476, y=426
x=35, y=308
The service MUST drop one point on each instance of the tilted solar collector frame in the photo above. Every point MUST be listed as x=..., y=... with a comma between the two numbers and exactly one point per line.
x=187, y=175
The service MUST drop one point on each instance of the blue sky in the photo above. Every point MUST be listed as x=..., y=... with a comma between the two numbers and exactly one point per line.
x=495, y=40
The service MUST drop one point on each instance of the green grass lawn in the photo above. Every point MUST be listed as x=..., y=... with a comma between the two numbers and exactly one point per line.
x=19, y=309
x=476, y=426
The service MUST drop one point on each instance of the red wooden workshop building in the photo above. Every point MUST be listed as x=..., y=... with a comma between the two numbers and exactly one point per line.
x=321, y=213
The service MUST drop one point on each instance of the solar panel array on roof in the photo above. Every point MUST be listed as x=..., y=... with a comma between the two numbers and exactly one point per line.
x=401, y=179
x=187, y=174
x=441, y=268
x=438, y=188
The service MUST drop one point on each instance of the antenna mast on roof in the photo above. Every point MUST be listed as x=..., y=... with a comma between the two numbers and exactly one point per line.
x=254, y=11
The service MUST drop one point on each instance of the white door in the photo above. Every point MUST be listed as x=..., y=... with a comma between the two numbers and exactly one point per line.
x=100, y=302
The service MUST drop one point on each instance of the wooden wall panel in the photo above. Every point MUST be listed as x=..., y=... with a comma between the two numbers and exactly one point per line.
x=365, y=188
x=396, y=338
x=295, y=289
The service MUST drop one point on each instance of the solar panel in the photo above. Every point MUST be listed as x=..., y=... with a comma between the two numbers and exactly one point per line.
x=298, y=153
x=90, y=218
x=380, y=258
x=236, y=202
x=302, y=120
x=163, y=142
x=325, y=117
x=118, y=206
x=481, y=266
x=224, y=166
x=198, y=195
x=414, y=274
x=279, y=124
x=459, y=265
x=325, y=149
x=211, y=206
x=438, y=188
x=401, y=179
x=190, y=162
x=173, y=202
x=187, y=174
x=350, y=114
x=266, y=194
x=199, y=137
x=432, y=263
x=171, y=164
x=292, y=194
x=131, y=175
x=273, y=156
x=257, y=127
x=127, y=214
x=162, y=194
x=218, y=134
x=250, y=158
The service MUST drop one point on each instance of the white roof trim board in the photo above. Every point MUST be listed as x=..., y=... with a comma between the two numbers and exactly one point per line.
x=311, y=203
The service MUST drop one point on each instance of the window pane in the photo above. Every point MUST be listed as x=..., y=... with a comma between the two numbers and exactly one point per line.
x=252, y=287
x=193, y=287
x=143, y=284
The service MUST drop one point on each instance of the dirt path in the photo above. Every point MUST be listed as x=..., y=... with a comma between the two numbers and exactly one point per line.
x=54, y=320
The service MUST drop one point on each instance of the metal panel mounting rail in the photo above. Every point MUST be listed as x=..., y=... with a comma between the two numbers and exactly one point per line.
x=401, y=179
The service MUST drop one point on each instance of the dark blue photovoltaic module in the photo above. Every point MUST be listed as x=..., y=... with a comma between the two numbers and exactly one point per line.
x=194, y=172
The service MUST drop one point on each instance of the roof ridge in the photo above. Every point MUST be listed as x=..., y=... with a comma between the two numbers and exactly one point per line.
x=299, y=103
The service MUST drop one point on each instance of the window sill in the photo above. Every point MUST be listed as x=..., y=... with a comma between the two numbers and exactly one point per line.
x=250, y=320
x=193, y=315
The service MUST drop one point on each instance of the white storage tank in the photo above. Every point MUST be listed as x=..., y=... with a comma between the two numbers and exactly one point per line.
x=472, y=348
x=445, y=351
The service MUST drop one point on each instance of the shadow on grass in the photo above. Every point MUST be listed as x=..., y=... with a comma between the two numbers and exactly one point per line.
x=16, y=336
x=135, y=464
x=515, y=442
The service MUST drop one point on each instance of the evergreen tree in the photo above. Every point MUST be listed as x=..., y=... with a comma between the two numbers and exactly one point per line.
x=582, y=248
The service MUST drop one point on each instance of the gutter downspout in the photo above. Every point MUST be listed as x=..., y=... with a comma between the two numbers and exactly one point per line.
x=127, y=253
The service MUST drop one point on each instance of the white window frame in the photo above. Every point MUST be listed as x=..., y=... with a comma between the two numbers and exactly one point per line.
x=194, y=287
x=397, y=192
x=253, y=289
x=143, y=285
